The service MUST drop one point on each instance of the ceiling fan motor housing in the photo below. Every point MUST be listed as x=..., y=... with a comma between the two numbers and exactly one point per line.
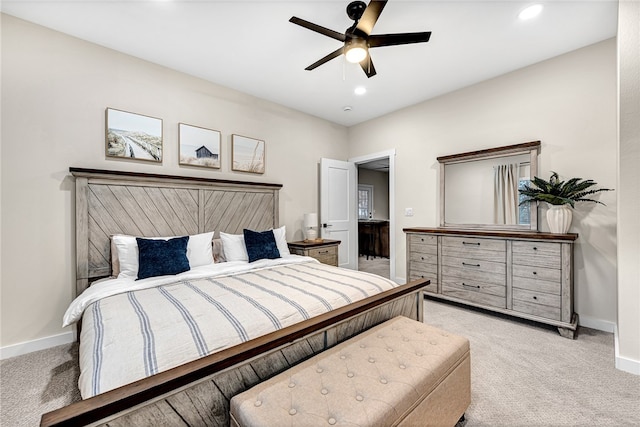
x=355, y=9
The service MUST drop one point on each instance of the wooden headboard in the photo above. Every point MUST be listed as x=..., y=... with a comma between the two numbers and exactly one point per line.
x=149, y=205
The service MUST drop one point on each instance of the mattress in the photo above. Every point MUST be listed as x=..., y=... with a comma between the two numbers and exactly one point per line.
x=134, y=329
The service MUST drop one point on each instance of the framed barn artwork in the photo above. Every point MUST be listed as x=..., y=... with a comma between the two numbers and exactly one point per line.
x=133, y=136
x=247, y=154
x=198, y=146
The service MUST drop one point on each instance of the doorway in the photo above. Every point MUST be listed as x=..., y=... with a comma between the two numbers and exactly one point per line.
x=375, y=213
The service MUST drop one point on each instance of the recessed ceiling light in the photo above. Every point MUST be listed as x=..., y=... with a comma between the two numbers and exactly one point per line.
x=530, y=12
x=360, y=90
x=347, y=108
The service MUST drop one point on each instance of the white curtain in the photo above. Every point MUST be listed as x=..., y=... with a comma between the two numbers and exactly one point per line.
x=505, y=200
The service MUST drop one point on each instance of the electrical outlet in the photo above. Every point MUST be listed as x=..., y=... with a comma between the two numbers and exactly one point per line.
x=408, y=211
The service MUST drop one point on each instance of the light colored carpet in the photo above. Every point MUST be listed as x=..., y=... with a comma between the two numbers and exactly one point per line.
x=379, y=266
x=522, y=375
x=528, y=375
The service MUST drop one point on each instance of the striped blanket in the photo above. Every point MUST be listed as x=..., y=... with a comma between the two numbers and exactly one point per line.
x=153, y=325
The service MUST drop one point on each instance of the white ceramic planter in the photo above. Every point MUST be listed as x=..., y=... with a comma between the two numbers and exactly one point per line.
x=559, y=218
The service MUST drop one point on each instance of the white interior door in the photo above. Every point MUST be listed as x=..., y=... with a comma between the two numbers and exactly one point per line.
x=338, y=208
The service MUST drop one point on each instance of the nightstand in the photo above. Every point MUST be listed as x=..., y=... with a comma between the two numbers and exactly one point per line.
x=326, y=251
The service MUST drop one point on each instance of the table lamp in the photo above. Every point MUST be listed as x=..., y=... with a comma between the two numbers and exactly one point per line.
x=310, y=226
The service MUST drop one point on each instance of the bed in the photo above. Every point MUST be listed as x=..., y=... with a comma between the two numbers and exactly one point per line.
x=173, y=349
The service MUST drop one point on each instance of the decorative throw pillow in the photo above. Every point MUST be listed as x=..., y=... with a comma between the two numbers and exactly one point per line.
x=157, y=257
x=260, y=245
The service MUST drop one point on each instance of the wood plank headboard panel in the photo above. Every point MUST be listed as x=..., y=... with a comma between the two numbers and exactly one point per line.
x=150, y=205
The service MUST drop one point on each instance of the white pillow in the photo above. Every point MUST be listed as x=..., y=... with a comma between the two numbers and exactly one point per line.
x=199, y=252
x=234, y=247
x=281, y=240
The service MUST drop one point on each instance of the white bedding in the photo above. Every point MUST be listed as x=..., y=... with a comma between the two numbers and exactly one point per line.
x=133, y=329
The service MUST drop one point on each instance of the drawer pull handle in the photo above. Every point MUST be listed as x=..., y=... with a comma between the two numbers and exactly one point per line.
x=323, y=252
x=422, y=239
x=535, y=272
x=535, y=248
x=470, y=265
x=471, y=243
x=535, y=297
x=470, y=286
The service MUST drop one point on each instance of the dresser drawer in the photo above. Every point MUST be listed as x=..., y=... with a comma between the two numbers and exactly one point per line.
x=423, y=266
x=537, y=304
x=423, y=239
x=476, y=286
x=423, y=258
x=433, y=277
x=475, y=297
x=423, y=244
x=471, y=264
x=536, y=272
x=326, y=255
x=537, y=285
x=474, y=252
x=496, y=278
x=474, y=244
x=540, y=254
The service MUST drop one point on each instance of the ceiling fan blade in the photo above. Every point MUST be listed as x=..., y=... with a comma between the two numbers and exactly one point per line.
x=327, y=58
x=379, y=40
x=318, y=29
x=367, y=67
x=370, y=16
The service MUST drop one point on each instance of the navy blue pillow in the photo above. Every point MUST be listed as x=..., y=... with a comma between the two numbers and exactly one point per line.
x=260, y=245
x=162, y=257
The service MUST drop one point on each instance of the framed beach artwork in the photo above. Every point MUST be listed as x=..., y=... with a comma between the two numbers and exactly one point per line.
x=199, y=146
x=247, y=154
x=133, y=136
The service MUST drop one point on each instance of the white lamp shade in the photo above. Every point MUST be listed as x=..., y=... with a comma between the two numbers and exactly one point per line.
x=310, y=220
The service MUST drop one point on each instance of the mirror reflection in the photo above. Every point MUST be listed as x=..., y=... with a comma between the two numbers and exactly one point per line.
x=486, y=191
x=480, y=189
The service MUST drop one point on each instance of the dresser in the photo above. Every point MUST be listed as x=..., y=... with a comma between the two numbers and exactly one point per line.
x=522, y=274
x=325, y=251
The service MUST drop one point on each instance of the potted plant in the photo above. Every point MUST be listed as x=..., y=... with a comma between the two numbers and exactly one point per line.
x=560, y=195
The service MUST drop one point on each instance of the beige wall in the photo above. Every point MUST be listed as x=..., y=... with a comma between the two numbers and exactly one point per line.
x=380, y=182
x=55, y=89
x=569, y=103
x=628, y=351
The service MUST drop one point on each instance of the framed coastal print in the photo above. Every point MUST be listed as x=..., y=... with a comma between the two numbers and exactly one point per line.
x=133, y=136
x=199, y=146
x=247, y=154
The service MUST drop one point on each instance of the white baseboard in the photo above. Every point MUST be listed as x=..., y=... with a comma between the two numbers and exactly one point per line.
x=622, y=363
x=35, y=345
x=599, y=324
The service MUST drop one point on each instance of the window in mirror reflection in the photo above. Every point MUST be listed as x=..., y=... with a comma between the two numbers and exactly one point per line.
x=524, y=210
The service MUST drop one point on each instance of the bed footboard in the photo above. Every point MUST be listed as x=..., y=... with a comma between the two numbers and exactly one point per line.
x=198, y=393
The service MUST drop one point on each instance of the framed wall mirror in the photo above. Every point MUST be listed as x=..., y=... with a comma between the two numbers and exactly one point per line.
x=479, y=189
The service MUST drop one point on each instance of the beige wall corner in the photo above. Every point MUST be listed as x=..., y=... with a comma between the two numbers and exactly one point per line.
x=569, y=103
x=628, y=331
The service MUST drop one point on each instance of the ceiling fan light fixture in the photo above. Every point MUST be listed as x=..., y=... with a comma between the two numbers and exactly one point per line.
x=356, y=50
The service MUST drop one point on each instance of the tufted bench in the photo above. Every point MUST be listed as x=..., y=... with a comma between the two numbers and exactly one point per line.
x=401, y=372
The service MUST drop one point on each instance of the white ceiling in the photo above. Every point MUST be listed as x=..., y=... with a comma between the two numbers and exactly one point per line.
x=250, y=45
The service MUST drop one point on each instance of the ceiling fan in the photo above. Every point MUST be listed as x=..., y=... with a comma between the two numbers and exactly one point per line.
x=358, y=39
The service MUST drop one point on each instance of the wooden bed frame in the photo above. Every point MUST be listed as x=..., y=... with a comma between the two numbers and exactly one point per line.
x=198, y=392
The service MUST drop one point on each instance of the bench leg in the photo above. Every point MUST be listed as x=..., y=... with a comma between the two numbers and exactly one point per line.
x=461, y=422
